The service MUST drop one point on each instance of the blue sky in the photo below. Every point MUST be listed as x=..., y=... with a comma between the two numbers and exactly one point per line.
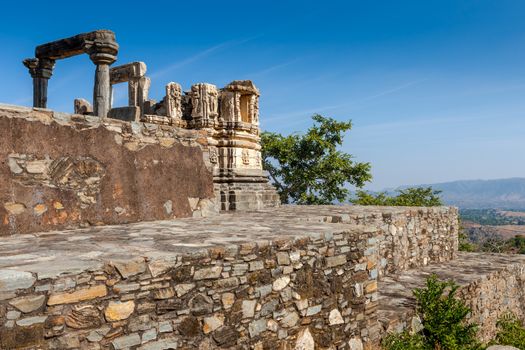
x=435, y=89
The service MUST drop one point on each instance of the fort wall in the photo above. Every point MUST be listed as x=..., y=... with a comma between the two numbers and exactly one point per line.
x=286, y=277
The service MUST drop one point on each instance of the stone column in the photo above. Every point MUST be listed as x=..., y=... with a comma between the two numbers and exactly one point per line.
x=103, y=53
x=40, y=70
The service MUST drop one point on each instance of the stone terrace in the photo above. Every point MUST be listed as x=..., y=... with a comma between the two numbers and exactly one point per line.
x=292, y=276
x=492, y=284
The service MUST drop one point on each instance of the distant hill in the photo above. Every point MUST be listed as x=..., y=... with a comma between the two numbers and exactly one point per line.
x=480, y=194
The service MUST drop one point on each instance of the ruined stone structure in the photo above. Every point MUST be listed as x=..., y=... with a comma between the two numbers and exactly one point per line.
x=227, y=118
x=279, y=277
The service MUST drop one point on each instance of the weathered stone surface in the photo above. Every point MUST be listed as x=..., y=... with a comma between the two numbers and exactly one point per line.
x=30, y=321
x=281, y=283
x=335, y=261
x=501, y=347
x=117, y=310
x=83, y=316
x=248, y=308
x=257, y=327
x=164, y=344
x=208, y=273
x=69, y=341
x=290, y=319
x=212, y=323
x=164, y=293
x=183, y=288
x=78, y=295
x=124, y=185
x=28, y=303
x=130, y=268
x=335, y=318
x=11, y=280
x=305, y=341
x=126, y=341
x=355, y=344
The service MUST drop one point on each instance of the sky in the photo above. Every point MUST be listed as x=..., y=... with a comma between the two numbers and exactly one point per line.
x=435, y=89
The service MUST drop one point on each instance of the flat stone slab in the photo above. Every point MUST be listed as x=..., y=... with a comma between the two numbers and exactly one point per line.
x=50, y=254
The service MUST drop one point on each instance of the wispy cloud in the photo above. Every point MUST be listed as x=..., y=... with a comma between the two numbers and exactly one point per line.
x=200, y=55
x=273, y=68
x=308, y=112
x=392, y=90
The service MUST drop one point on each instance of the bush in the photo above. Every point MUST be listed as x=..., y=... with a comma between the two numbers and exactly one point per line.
x=444, y=321
x=511, y=332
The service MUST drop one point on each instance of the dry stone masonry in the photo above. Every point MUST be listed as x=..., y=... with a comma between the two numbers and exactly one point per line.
x=291, y=277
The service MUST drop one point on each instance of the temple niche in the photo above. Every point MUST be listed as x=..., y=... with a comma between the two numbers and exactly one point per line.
x=240, y=102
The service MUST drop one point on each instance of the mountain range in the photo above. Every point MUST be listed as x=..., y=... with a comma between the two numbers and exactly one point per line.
x=482, y=194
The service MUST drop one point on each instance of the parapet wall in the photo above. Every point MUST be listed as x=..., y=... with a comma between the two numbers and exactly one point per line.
x=291, y=277
x=59, y=170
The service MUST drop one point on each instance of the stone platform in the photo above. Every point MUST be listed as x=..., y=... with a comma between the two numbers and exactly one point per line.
x=290, y=277
x=492, y=284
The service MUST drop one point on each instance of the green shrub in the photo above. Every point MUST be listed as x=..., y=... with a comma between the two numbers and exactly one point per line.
x=444, y=321
x=511, y=332
x=405, y=341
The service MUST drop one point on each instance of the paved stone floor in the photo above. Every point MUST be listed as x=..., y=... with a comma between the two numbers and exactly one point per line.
x=50, y=254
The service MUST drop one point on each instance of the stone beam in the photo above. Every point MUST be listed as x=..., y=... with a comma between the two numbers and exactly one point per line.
x=74, y=45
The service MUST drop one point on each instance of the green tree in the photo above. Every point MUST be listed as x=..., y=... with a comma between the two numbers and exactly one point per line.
x=409, y=197
x=309, y=168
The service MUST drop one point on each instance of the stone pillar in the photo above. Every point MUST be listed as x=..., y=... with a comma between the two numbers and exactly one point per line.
x=103, y=54
x=40, y=70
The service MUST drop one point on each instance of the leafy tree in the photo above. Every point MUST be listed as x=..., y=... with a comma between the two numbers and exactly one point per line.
x=309, y=168
x=410, y=197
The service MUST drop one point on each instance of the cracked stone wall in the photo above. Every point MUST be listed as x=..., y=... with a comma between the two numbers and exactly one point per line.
x=59, y=171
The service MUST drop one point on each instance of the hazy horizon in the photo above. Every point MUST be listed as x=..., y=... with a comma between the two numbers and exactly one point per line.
x=435, y=89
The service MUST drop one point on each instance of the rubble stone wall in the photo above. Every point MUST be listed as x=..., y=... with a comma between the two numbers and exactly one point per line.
x=407, y=237
x=320, y=290
x=494, y=296
x=312, y=284
x=59, y=170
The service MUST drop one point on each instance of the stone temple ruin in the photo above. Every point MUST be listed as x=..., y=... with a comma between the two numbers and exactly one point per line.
x=229, y=116
x=153, y=227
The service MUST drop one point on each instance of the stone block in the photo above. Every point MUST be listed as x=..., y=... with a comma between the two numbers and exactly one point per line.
x=28, y=303
x=116, y=310
x=77, y=296
x=11, y=280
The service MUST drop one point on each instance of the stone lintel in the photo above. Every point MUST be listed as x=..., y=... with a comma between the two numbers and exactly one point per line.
x=76, y=45
x=127, y=72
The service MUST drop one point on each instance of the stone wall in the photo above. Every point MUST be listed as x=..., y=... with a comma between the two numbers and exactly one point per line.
x=290, y=278
x=495, y=295
x=280, y=293
x=491, y=284
x=59, y=170
x=407, y=237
